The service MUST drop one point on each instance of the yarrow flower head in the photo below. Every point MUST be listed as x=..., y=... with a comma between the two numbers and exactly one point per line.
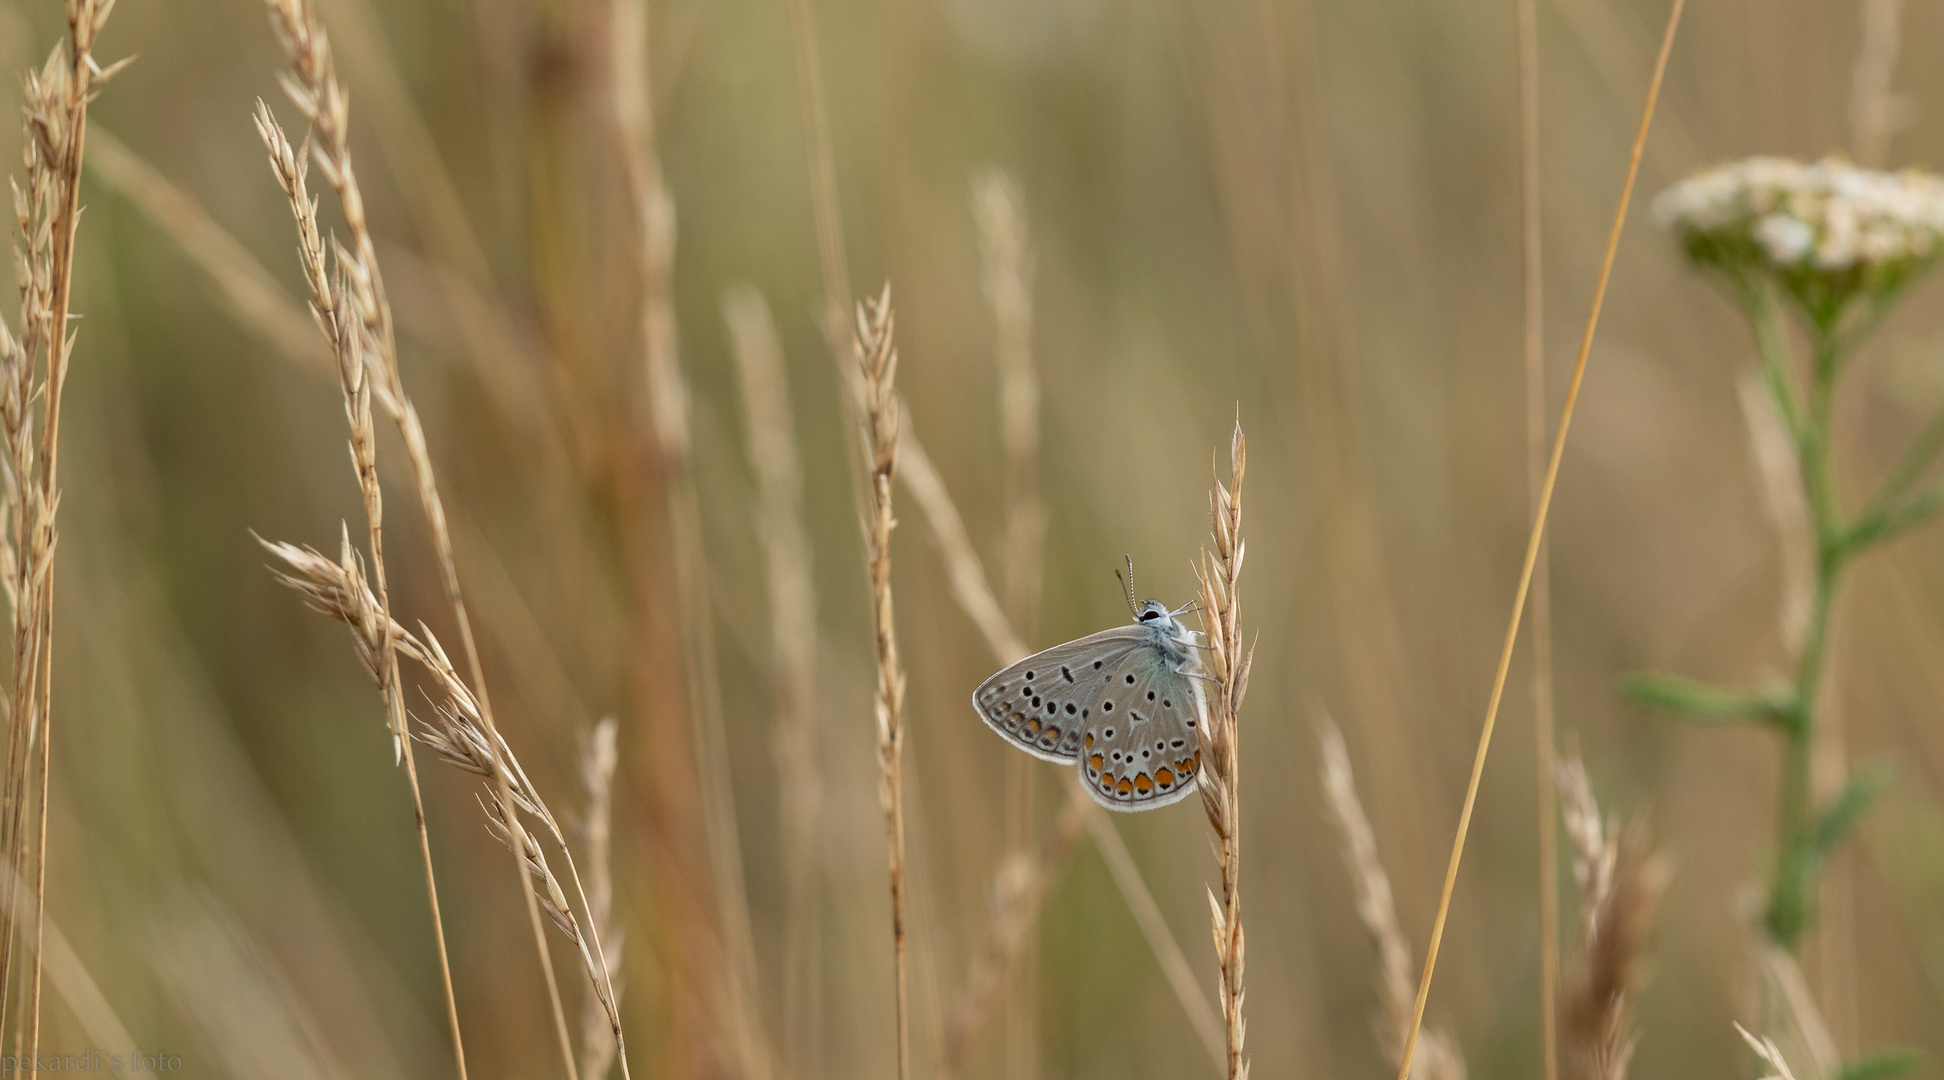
x=1827, y=232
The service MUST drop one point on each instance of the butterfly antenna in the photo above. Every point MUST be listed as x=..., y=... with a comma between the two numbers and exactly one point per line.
x=1127, y=583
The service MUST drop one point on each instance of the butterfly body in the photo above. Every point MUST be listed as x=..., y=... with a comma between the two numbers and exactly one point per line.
x=1122, y=705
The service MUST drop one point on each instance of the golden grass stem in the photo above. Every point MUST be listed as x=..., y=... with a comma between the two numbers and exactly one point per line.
x=1532, y=260
x=332, y=309
x=668, y=413
x=998, y=211
x=877, y=360
x=1537, y=534
x=1219, y=738
x=970, y=586
x=793, y=658
x=598, y=759
x=48, y=216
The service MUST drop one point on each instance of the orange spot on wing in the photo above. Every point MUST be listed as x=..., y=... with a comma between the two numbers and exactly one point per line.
x=1143, y=784
x=1097, y=762
x=1164, y=777
x=1033, y=726
x=1090, y=740
x=1126, y=786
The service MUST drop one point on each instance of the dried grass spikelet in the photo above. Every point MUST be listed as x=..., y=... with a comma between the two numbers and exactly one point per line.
x=456, y=731
x=1770, y=1054
x=1437, y=1057
x=1621, y=880
x=353, y=293
x=1220, y=778
x=34, y=366
x=878, y=364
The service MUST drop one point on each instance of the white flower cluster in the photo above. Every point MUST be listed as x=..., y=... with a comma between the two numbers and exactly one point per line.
x=1829, y=216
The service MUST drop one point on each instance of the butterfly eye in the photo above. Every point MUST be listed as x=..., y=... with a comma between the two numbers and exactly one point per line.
x=1150, y=616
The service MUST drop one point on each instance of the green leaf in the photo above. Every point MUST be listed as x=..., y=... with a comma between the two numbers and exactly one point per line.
x=1675, y=693
x=1883, y=1065
x=1841, y=816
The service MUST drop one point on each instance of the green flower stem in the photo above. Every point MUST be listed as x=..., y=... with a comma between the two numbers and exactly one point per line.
x=1807, y=833
x=1772, y=345
x=1791, y=902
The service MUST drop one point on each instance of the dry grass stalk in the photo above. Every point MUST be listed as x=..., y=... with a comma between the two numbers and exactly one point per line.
x=1770, y=1054
x=1537, y=534
x=1017, y=890
x=1008, y=262
x=967, y=576
x=333, y=308
x=793, y=645
x=312, y=83
x=1789, y=1004
x=1438, y=1057
x=878, y=362
x=668, y=416
x=999, y=212
x=598, y=759
x=35, y=363
x=457, y=731
x=1228, y=665
x=1621, y=881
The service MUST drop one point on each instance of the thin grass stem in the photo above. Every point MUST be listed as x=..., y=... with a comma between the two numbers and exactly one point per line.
x=668, y=412
x=877, y=361
x=1537, y=534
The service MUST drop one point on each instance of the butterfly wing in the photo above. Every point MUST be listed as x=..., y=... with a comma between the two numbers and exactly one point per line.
x=1138, y=749
x=1041, y=703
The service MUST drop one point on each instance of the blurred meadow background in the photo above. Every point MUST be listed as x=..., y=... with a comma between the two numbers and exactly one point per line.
x=1302, y=214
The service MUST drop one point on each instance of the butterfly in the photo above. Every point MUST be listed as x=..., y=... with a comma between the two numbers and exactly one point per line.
x=1123, y=704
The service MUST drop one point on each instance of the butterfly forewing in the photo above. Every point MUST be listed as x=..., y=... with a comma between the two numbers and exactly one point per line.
x=1138, y=748
x=1042, y=703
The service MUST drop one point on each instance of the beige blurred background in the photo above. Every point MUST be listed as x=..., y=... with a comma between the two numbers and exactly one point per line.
x=1302, y=212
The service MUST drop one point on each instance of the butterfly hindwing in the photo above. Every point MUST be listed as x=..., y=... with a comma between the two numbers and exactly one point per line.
x=1138, y=748
x=1041, y=703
